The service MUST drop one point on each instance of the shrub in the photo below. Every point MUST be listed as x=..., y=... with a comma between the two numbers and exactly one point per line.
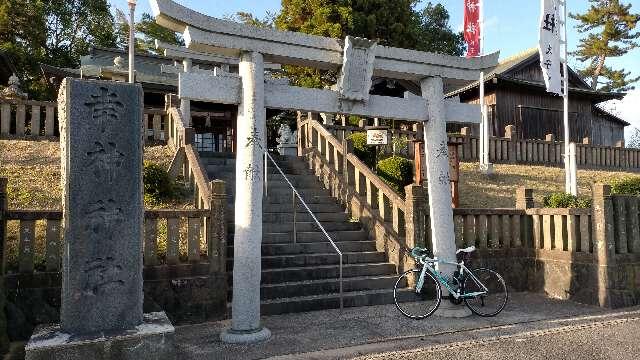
x=158, y=185
x=626, y=186
x=564, y=200
x=397, y=172
x=366, y=153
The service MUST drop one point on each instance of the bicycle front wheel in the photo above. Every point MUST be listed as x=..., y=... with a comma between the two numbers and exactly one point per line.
x=491, y=302
x=417, y=304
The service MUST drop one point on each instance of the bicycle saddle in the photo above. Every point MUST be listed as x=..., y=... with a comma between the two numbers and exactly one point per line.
x=466, y=250
x=418, y=251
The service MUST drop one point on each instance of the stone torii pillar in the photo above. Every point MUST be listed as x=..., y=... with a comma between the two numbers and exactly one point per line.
x=247, y=241
x=439, y=186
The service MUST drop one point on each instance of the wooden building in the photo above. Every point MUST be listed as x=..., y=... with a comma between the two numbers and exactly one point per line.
x=516, y=95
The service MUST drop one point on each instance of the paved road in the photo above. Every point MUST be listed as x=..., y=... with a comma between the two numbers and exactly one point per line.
x=617, y=339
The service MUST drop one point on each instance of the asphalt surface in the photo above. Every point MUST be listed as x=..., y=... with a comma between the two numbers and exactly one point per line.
x=530, y=327
x=617, y=339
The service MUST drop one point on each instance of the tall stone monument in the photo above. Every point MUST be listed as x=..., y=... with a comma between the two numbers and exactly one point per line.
x=101, y=150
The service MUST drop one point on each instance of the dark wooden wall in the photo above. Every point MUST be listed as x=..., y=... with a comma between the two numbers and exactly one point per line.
x=536, y=113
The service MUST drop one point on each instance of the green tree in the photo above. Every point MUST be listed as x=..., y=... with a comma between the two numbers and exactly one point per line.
x=147, y=32
x=55, y=32
x=609, y=26
x=390, y=23
x=435, y=35
x=250, y=19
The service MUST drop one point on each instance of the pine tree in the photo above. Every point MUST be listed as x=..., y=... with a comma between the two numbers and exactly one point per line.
x=609, y=25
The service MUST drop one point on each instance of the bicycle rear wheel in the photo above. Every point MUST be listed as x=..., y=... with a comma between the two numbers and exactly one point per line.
x=417, y=304
x=494, y=300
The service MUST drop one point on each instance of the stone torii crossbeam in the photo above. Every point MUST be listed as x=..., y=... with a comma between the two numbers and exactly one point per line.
x=357, y=60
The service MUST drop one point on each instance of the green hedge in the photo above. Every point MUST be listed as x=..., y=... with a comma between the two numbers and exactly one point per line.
x=158, y=185
x=626, y=186
x=397, y=172
x=366, y=153
x=564, y=200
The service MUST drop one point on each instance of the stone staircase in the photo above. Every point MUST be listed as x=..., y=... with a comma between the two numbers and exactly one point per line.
x=304, y=276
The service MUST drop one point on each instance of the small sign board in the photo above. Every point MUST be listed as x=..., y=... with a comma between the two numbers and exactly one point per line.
x=377, y=135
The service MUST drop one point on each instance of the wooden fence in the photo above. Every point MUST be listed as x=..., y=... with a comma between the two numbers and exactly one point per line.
x=511, y=150
x=29, y=119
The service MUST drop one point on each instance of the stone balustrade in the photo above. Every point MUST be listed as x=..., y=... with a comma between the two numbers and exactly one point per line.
x=28, y=119
x=588, y=255
x=186, y=162
x=184, y=262
x=510, y=150
x=366, y=196
x=171, y=237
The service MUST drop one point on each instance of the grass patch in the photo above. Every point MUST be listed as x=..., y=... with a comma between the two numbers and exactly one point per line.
x=498, y=190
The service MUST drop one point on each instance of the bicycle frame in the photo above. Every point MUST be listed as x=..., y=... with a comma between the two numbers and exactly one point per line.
x=426, y=265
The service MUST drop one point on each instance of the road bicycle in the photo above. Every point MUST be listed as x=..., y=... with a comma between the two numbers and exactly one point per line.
x=483, y=290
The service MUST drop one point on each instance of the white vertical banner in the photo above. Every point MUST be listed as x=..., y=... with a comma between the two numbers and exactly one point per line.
x=549, y=45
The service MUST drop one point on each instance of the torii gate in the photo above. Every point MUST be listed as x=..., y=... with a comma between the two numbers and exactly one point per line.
x=358, y=60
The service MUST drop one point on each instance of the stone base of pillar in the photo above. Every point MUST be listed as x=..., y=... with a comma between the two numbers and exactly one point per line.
x=487, y=169
x=153, y=339
x=449, y=310
x=231, y=336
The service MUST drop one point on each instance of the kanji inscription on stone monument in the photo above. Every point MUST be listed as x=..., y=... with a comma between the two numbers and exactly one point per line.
x=101, y=140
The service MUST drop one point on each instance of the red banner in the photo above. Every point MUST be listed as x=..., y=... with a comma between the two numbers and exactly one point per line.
x=472, y=27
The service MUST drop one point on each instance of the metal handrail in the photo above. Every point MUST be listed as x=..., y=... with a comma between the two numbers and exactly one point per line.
x=267, y=156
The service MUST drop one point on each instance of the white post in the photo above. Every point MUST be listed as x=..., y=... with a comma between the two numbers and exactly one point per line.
x=481, y=156
x=485, y=164
x=438, y=185
x=570, y=184
x=573, y=170
x=132, y=44
x=245, y=305
x=185, y=104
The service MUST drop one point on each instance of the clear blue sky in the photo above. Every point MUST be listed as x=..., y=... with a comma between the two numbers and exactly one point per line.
x=510, y=26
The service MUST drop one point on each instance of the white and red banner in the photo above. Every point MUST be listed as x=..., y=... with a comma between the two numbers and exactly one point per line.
x=472, y=27
x=549, y=45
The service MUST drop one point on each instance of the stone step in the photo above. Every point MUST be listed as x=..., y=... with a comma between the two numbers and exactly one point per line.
x=230, y=169
x=273, y=276
x=284, y=195
x=287, y=217
x=328, y=301
x=310, y=237
x=310, y=226
x=327, y=286
x=288, y=199
x=313, y=248
x=300, y=209
x=278, y=183
x=217, y=161
x=300, y=260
